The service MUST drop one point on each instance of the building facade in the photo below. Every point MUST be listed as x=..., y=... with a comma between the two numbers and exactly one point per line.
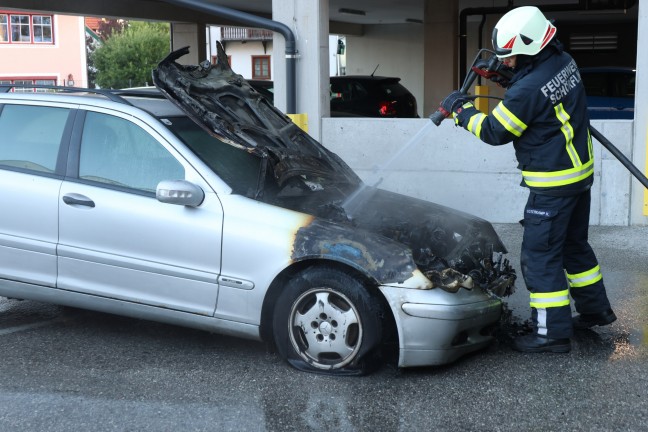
x=45, y=49
x=250, y=51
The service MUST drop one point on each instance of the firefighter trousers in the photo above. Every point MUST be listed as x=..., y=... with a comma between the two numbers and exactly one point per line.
x=558, y=262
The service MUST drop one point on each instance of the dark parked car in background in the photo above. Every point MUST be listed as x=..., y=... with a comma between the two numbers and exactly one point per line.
x=371, y=96
x=361, y=96
x=610, y=92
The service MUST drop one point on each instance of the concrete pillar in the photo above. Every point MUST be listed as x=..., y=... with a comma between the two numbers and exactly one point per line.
x=193, y=35
x=441, y=41
x=639, y=204
x=309, y=20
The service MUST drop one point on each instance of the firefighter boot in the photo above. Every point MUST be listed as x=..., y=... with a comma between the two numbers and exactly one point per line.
x=585, y=321
x=534, y=343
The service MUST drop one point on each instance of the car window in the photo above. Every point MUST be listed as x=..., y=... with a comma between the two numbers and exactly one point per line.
x=336, y=90
x=235, y=166
x=117, y=152
x=624, y=85
x=595, y=84
x=609, y=84
x=348, y=91
x=358, y=91
x=393, y=89
x=31, y=136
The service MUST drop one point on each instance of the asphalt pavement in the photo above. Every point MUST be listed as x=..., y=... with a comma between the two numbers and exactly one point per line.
x=64, y=369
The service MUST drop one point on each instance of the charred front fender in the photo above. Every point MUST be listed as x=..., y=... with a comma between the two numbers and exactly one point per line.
x=385, y=261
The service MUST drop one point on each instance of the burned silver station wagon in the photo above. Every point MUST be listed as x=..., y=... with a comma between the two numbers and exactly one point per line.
x=200, y=204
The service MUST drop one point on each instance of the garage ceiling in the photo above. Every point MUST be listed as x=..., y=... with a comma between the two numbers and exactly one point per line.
x=349, y=11
x=343, y=11
x=340, y=11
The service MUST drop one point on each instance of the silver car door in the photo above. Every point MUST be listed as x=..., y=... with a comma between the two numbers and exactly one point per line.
x=117, y=240
x=30, y=178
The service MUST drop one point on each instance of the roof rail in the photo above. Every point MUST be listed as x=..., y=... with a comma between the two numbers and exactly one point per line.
x=150, y=92
x=110, y=94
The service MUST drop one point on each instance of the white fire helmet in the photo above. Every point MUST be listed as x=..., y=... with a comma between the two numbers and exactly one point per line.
x=524, y=30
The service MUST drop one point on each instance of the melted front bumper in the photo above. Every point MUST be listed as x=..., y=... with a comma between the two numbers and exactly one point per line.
x=436, y=327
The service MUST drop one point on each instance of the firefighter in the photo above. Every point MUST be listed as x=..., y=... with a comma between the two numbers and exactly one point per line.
x=544, y=114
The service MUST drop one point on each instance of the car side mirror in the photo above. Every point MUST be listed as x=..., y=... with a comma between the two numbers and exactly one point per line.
x=180, y=192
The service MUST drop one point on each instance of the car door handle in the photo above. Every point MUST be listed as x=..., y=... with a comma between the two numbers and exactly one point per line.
x=77, y=199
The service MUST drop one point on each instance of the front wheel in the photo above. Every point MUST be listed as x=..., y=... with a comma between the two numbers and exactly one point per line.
x=326, y=321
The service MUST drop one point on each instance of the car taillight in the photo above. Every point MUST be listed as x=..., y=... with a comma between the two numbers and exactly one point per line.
x=387, y=108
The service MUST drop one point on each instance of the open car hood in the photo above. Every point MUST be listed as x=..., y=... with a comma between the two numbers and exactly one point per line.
x=452, y=249
x=227, y=107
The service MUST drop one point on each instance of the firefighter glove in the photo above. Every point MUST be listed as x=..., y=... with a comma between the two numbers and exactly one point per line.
x=464, y=112
x=453, y=101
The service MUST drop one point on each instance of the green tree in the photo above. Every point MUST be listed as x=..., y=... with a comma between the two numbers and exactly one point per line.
x=111, y=26
x=107, y=27
x=127, y=58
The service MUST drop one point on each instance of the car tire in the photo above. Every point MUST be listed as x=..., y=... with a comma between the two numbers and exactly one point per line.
x=326, y=321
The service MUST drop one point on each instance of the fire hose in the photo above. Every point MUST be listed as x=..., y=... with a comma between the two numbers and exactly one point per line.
x=494, y=70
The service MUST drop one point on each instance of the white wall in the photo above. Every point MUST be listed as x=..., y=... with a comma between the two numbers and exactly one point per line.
x=240, y=52
x=450, y=166
x=397, y=48
x=640, y=149
x=242, y=56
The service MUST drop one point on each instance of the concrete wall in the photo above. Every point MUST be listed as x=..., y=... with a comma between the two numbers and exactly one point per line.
x=307, y=19
x=187, y=34
x=640, y=149
x=397, y=50
x=450, y=166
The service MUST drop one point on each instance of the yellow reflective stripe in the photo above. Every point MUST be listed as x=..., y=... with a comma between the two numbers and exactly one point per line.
x=586, y=278
x=475, y=124
x=551, y=299
x=510, y=122
x=558, y=178
x=590, y=146
x=468, y=104
x=568, y=131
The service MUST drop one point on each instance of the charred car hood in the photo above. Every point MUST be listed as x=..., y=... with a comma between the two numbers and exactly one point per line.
x=385, y=234
x=451, y=248
x=447, y=245
x=227, y=107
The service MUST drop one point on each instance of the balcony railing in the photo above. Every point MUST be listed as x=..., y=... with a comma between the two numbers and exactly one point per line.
x=244, y=34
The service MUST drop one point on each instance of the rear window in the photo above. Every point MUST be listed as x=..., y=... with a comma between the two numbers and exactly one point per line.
x=609, y=84
x=30, y=136
x=393, y=89
x=348, y=90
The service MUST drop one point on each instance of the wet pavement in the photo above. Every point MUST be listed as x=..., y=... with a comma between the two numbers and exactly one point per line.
x=63, y=369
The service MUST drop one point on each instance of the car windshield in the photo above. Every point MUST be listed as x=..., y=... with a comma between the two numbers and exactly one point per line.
x=227, y=107
x=271, y=177
x=238, y=168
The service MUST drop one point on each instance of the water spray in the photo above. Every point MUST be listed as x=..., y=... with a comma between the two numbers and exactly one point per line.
x=355, y=200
